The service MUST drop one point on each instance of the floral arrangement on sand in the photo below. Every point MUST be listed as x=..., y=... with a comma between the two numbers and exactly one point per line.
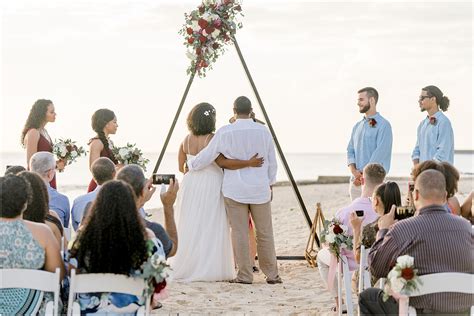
x=207, y=30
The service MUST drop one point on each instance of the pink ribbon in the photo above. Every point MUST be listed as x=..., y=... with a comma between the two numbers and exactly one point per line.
x=332, y=272
x=402, y=302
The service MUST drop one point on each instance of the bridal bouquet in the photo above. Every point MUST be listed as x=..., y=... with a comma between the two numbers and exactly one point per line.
x=207, y=30
x=130, y=155
x=402, y=279
x=154, y=271
x=67, y=150
x=335, y=235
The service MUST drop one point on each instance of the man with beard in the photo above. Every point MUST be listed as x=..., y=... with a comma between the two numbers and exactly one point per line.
x=435, y=138
x=371, y=140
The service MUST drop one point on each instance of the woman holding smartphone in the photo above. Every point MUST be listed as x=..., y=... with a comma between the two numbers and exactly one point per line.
x=35, y=137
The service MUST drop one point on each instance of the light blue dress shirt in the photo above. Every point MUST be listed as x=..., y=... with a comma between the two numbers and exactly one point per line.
x=434, y=141
x=79, y=206
x=60, y=204
x=370, y=144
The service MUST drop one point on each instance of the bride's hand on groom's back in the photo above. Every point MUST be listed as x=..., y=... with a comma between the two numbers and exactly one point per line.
x=169, y=196
x=256, y=161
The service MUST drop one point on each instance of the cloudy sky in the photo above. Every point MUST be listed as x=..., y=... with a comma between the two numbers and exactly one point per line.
x=308, y=59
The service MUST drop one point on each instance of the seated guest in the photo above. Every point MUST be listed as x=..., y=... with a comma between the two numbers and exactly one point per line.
x=143, y=188
x=112, y=239
x=385, y=196
x=467, y=211
x=438, y=241
x=23, y=245
x=103, y=169
x=44, y=164
x=14, y=170
x=38, y=209
x=372, y=176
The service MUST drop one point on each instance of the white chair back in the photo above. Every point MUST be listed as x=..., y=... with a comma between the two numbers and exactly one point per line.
x=343, y=268
x=364, y=274
x=441, y=283
x=33, y=279
x=103, y=282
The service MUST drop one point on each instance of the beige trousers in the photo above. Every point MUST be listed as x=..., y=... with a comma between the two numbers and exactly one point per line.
x=239, y=222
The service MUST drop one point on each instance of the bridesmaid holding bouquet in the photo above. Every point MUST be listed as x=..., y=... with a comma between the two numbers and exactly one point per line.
x=104, y=123
x=35, y=137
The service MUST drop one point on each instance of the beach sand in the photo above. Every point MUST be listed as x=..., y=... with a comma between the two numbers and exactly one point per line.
x=302, y=291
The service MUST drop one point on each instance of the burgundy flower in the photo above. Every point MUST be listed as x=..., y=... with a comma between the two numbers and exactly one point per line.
x=201, y=9
x=160, y=286
x=408, y=274
x=203, y=23
x=210, y=29
x=69, y=148
x=189, y=31
x=202, y=39
x=337, y=229
x=198, y=51
x=217, y=23
x=372, y=122
x=190, y=40
x=432, y=120
x=215, y=46
x=227, y=2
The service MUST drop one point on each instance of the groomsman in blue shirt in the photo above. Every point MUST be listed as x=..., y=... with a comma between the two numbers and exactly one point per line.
x=371, y=140
x=435, y=137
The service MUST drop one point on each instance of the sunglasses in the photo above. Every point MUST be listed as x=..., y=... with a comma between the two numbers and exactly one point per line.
x=421, y=98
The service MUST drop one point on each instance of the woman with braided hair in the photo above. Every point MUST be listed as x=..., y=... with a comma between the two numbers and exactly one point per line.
x=104, y=123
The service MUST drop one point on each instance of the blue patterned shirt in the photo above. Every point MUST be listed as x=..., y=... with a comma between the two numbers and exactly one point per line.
x=434, y=141
x=370, y=144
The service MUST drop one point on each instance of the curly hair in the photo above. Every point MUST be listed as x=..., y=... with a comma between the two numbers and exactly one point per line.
x=14, y=194
x=426, y=165
x=441, y=99
x=38, y=205
x=113, y=237
x=202, y=119
x=389, y=194
x=36, y=117
x=452, y=178
x=100, y=118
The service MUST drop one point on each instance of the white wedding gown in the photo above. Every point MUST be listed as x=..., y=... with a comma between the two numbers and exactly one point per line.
x=204, y=245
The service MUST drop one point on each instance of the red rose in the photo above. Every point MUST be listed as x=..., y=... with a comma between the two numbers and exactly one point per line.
x=189, y=30
x=372, y=122
x=69, y=148
x=432, y=120
x=209, y=30
x=202, y=39
x=198, y=51
x=160, y=286
x=201, y=9
x=337, y=229
x=408, y=274
x=203, y=23
x=227, y=2
x=215, y=46
x=191, y=40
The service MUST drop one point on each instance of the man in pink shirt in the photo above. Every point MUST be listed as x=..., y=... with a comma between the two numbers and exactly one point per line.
x=372, y=176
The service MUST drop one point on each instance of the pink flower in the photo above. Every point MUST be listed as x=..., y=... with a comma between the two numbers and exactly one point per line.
x=217, y=23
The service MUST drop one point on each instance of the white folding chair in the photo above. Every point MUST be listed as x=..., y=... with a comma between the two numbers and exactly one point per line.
x=34, y=279
x=364, y=274
x=343, y=267
x=104, y=282
x=439, y=283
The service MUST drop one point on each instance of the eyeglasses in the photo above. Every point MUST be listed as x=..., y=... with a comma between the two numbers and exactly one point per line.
x=422, y=97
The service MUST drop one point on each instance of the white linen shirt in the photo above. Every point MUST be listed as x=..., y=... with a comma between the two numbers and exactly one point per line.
x=242, y=140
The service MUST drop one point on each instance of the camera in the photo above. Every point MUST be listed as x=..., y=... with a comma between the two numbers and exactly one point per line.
x=411, y=186
x=404, y=212
x=360, y=213
x=162, y=178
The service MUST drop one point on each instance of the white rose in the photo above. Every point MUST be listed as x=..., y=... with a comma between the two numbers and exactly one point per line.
x=397, y=284
x=405, y=261
x=73, y=154
x=191, y=55
x=330, y=238
x=63, y=152
x=216, y=33
x=393, y=274
x=195, y=26
x=123, y=153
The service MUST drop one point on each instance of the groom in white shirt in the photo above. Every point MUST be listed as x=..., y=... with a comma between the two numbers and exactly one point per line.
x=246, y=189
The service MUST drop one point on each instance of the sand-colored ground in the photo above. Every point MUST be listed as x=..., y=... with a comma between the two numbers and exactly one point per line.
x=302, y=291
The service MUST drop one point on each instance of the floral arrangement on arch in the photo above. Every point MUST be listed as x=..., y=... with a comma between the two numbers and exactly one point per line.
x=335, y=235
x=402, y=279
x=130, y=154
x=207, y=30
x=67, y=150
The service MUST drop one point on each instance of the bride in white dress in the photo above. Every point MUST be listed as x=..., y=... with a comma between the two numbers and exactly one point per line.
x=204, y=244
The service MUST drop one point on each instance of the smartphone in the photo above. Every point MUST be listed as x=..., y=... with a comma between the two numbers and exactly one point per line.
x=162, y=178
x=404, y=212
x=360, y=213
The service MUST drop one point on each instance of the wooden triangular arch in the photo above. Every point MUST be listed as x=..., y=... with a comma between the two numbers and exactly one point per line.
x=270, y=127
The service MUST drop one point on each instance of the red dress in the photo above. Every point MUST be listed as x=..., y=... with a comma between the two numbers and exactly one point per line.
x=45, y=145
x=105, y=152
